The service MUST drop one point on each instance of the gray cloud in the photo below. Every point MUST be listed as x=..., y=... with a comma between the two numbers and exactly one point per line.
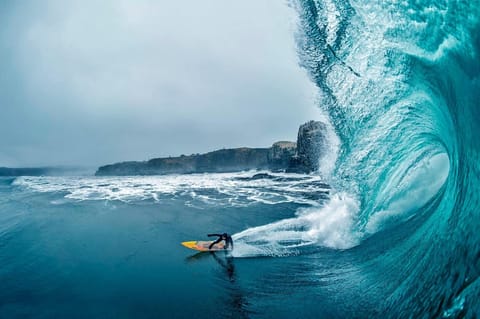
x=88, y=82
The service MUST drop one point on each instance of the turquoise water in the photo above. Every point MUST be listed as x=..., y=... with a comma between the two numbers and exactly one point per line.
x=389, y=230
x=400, y=82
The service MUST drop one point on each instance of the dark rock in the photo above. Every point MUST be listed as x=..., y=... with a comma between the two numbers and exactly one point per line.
x=256, y=177
x=262, y=176
x=310, y=146
x=280, y=155
x=232, y=160
x=221, y=161
x=300, y=157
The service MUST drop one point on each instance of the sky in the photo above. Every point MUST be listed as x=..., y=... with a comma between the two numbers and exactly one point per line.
x=86, y=82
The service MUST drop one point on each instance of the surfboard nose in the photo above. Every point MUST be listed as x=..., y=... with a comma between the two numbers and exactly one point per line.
x=189, y=244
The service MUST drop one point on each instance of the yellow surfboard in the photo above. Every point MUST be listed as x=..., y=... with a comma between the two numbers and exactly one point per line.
x=203, y=245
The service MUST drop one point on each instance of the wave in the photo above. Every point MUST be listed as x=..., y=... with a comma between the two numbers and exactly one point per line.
x=7, y=181
x=400, y=83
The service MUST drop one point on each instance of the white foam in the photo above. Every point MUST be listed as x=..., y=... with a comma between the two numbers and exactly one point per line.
x=232, y=189
x=332, y=226
x=332, y=17
x=330, y=148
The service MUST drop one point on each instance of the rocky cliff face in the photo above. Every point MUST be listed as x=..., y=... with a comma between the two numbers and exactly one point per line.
x=310, y=146
x=300, y=157
x=225, y=160
x=280, y=155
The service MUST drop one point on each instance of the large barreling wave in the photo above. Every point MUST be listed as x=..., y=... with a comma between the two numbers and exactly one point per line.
x=400, y=83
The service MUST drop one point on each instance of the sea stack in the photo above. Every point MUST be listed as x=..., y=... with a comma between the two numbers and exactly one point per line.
x=301, y=157
x=310, y=147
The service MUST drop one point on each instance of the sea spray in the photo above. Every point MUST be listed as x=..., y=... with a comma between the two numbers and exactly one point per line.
x=331, y=226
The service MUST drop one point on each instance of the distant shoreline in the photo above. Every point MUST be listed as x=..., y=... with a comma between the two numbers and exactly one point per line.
x=283, y=156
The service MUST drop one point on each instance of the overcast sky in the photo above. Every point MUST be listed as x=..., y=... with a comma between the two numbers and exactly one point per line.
x=94, y=82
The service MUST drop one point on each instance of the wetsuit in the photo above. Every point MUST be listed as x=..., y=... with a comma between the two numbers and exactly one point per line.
x=222, y=237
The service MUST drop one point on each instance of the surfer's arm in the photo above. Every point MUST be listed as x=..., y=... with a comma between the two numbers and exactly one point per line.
x=211, y=235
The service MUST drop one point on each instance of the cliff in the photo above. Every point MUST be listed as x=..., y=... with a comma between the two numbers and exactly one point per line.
x=225, y=160
x=310, y=147
x=300, y=157
x=280, y=155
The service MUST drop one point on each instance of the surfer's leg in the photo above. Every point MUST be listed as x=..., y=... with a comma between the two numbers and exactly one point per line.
x=228, y=242
x=215, y=242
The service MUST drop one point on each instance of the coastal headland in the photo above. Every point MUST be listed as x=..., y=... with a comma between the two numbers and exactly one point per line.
x=294, y=157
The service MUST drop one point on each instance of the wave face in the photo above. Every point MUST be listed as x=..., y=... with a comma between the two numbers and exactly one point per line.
x=400, y=81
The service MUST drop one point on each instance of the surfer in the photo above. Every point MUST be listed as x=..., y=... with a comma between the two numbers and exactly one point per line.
x=222, y=237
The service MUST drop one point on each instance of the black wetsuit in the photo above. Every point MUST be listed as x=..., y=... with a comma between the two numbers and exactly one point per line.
x=225, y=237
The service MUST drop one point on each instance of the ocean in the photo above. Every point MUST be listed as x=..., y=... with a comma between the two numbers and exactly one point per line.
x=109, y=247
x=388, y=228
